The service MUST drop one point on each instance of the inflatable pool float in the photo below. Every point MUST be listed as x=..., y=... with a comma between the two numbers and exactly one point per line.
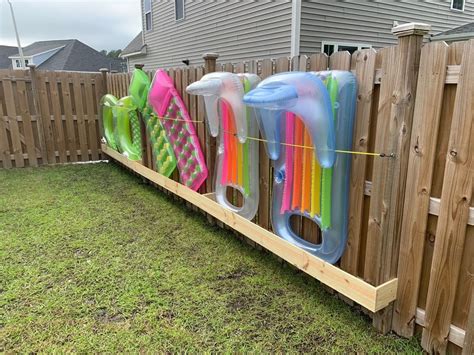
x=163, y=155
x=306, y=117
x=179, y=128
x=107, y=103
x=231, y=122
x=127, y=133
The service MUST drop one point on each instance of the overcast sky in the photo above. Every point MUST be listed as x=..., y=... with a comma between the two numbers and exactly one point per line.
x=101, y=24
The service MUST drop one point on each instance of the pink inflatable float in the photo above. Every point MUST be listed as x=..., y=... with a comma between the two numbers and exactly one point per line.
x=180, y=130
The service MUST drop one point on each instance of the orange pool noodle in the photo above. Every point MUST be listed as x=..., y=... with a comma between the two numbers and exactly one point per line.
x=298, y=164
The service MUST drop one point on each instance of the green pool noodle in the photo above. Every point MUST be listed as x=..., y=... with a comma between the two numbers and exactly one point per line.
x=326, y=177
x=246, y=147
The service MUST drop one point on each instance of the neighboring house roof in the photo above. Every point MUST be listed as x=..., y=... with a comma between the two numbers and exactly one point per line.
x=135, y=47
x=456, y=34
x=70, y=54
x=5, y=52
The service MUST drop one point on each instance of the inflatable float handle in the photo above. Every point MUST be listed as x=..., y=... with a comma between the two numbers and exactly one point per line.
x=225, y=86
x=211, y=102
x=306, y=96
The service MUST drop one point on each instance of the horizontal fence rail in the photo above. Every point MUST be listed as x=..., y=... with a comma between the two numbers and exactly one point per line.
x=411, y=217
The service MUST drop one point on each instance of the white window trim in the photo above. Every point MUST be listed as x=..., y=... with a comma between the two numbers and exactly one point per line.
x=15, y=59
x=184, y=11
x=348, y=44
x=459, y=10
x=151, y=16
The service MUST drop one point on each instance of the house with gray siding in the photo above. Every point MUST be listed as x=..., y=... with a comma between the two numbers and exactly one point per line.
x=178, y=32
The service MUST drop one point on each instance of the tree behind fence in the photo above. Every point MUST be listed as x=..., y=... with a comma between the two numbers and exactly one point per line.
x=52, y=117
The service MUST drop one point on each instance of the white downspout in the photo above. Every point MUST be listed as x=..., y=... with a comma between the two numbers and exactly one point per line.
x=295, y=27
x=20, y=49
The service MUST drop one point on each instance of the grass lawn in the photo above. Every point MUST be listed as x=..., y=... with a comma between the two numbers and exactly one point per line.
x=91, y=259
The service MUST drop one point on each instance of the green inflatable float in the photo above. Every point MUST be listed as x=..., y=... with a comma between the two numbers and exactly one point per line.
x=122, y=126
x=107, y=103
x=127, y=133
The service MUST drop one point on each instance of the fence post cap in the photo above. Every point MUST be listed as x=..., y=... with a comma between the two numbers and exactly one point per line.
x=104, y=70
x=32, y=66
x=210, y=55
x=411, y=28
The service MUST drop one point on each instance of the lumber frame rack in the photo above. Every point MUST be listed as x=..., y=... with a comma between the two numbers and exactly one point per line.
x=373, y=298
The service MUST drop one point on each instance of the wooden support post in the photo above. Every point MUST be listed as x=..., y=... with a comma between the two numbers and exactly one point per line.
x=39, y=115
x=104, y=72
x=105, y=90
x=209, y=67
x=388, y=188
x=363, y=63
x=210, y=62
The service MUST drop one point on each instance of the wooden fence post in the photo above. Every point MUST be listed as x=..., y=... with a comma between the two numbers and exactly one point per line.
x=389, y=177
x=209, y=67
x=104, y=72
x=39, y=113
x=210, y=151
x=210, y=62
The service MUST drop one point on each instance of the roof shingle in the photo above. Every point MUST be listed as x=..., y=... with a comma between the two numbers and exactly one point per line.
x=136, y=45
x=72, y=55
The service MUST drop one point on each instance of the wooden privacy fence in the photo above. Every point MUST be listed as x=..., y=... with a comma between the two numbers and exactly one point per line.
x=411, y=216
x=48, y=117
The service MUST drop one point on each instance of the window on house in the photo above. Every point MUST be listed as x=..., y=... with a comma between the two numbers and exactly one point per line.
x=147, y=11
x=328, y=49
x=457, y=5
x=331, y=47
x=18, y=63
x=179, y=9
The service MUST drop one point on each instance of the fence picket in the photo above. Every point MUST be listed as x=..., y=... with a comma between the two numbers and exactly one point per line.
x=71, y=145
x=378, y=207
x=58, y=120
x=93, y=142
x=340, y=61
x=363, y=64
x=4, y=146
x=318, y=62
x=265, y=172
x=81, y=123
x=12, y=123
x=26, y=117
x=45, y=116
